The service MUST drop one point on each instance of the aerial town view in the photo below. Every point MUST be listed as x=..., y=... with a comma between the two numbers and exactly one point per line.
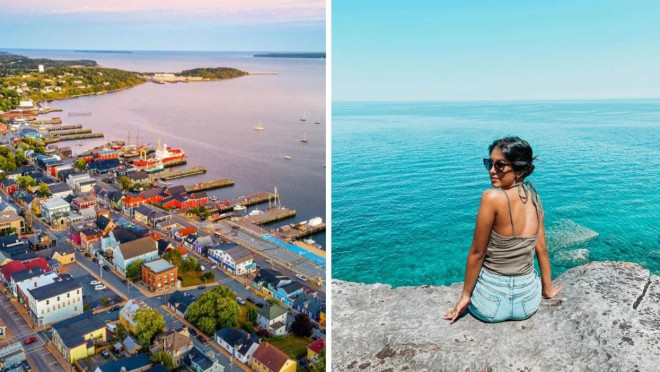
x=162, y=210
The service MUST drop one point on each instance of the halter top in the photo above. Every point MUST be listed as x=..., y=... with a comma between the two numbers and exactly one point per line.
x=513, y=255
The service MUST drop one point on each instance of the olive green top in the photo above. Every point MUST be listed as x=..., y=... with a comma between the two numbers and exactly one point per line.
x=513, y=255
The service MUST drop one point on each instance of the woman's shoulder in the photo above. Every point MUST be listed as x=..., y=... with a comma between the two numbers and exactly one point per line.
x=492, y=196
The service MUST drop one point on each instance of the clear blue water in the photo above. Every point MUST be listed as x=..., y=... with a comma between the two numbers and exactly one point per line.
x=214, y=121
x=407, y=179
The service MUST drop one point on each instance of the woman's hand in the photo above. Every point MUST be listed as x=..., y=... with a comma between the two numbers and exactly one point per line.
x=461, y=306
x=552, y=291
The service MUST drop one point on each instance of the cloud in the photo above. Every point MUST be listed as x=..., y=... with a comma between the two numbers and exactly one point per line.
x=229, y=11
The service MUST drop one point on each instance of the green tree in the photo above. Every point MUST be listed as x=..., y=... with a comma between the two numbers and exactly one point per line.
x=190, y=264
x=302, y=325
x=173, y=256
x=252, y=314
x=164, y=358
x=149, y=322
x=134, y=270
x=214, y=309
x=80, y=164
x=25, y=181
x=43, y=190
x=125, y=182
x=21, y=159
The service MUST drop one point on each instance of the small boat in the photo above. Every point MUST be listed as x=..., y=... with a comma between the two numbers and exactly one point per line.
x=304, y=117
x=304, y=139
x=287, y=157
x=239, y=208
x=259, y=126
x=318, y=121
x=80, y=143
x=255, y=212
x=214, y=198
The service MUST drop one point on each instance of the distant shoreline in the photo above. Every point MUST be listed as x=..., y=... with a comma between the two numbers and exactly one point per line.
x=103, y=51
x=291, y=55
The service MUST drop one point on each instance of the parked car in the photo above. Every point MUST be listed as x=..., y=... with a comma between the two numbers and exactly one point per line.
x=304, y=279
x=201, y=287
x=94, y=282
x=95, y=260
x=259, y=304
x=26, y=366
x=87, y=254
x=192, y=331
x=115, y=308
x=269, y=262
x=250, y=300
x=105, y=354
x=99, y=287
x=30, y=340
x=202, y=339
x=125, y=281
x=106, y=268
x=240, y=301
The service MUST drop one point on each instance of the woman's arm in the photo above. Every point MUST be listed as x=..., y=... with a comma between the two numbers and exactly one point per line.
x=549, y=290
x=484, y=225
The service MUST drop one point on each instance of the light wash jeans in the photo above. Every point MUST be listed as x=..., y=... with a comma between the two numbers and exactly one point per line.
x=497, y=298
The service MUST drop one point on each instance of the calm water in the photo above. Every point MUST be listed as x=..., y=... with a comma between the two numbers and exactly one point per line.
x=407, y=179
x=214, y=121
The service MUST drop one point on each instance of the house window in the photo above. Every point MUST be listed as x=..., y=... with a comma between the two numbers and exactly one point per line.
x=68, y=295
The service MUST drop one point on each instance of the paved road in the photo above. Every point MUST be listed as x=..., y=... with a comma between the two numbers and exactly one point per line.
x=42, y=359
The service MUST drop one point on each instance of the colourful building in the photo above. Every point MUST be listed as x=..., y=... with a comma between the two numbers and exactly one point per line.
x=159, y=275
x=268, y=358
x=75, y=337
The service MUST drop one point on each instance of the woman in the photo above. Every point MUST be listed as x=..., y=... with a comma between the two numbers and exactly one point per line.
x=500, y=282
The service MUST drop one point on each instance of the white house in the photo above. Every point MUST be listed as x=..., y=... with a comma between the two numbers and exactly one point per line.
x=238, y=343
x=140, y=249
x=55, y=302
x=236, y=259
x=273, y=318
x=81, y=182
x=54, y=207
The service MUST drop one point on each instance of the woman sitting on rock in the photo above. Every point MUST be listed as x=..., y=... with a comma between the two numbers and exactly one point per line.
x=500, y=281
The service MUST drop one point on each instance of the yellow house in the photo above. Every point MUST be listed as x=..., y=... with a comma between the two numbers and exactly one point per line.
x=127, y=313
x=74, y=337
x=314, y=350
x=322, y=319
x=268, y=358
x=64, y=258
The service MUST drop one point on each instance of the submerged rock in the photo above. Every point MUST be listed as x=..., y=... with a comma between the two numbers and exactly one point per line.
x=606, y=318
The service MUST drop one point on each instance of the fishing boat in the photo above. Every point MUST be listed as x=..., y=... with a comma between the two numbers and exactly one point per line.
x=239, y=208
x=213, y=198
x=287, y=157
x=304, y=139
x=165, y=153
x=255, y=212
x=259, y=126
x=304, y=117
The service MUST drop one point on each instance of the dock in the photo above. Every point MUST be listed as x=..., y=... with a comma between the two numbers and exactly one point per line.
x=49, y=121
x=62, y=133
x=252, y=199
x=211, y=185
x=173, y=174
x=175, y=162
x=271, y=215
x=74, y=137
x=64, y=127
x=297, y=231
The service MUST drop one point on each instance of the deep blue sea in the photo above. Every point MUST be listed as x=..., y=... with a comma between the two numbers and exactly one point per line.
x=407, y=179
x=213, y=122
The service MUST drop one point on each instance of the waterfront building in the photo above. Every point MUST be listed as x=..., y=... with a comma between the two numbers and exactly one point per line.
x=140, y=249
x=55, y=302
x=233, y=258
x=238, y=343
x=159, y=275
x=106, y=154
x=154, y=195
x=175, y=344
x=179, y=302
x=273, y=318
x=76, y=337
x=9, y=220
x=268, y=358
x=104, y=166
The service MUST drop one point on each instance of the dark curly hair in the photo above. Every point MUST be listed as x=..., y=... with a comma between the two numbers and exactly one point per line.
x=518, y=152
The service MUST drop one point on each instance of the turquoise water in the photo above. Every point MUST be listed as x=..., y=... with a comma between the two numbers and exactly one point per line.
x=407, y=179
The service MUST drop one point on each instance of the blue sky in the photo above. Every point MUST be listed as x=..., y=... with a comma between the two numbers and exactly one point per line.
x=227, y=25
x=495, y=50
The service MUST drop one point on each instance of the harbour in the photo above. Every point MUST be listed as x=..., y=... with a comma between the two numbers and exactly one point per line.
x=179, y=173
x=210, y=185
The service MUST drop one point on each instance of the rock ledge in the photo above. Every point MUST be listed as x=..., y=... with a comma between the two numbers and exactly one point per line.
x=606, y=318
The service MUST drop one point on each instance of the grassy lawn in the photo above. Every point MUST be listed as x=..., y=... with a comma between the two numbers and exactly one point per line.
x=190, y=278
x=291, y=345
x=243, y=318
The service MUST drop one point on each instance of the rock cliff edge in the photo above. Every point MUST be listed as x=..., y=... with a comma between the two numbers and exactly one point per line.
x=606, y=318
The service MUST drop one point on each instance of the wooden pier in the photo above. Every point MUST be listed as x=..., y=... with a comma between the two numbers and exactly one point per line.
x=63, y=133
x=175, y=162
x=49, y=121
x=75, y=137
x=211, y=185
x=65, y=127
x=271, y=215
x=297, y=231
x=252, y=199
x=173, y=174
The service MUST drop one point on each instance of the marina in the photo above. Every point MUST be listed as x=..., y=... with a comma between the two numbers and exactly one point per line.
x=299, y=230
x=271, y=215
x=246, y=201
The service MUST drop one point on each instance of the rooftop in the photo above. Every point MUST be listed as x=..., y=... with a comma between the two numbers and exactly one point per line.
x=158, y=266
x=54, y=289
x=72, y=330
x=270, y=356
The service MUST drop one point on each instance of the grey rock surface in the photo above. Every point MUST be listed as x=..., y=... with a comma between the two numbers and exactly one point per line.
x=607, y=318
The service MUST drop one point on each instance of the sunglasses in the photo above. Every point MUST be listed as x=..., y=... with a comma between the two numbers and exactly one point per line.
x=499, y=166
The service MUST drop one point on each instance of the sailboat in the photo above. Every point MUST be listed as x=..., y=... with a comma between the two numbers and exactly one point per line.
x=304, y=139
x=304, y=117
x=259, y=126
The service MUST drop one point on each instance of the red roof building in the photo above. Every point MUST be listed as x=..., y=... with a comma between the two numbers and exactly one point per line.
x=269, y=358
x=15, y=266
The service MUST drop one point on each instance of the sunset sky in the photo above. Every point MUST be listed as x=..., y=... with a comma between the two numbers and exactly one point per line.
x=232, y=25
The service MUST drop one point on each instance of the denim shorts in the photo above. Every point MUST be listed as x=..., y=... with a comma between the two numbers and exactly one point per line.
x=497, y=298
